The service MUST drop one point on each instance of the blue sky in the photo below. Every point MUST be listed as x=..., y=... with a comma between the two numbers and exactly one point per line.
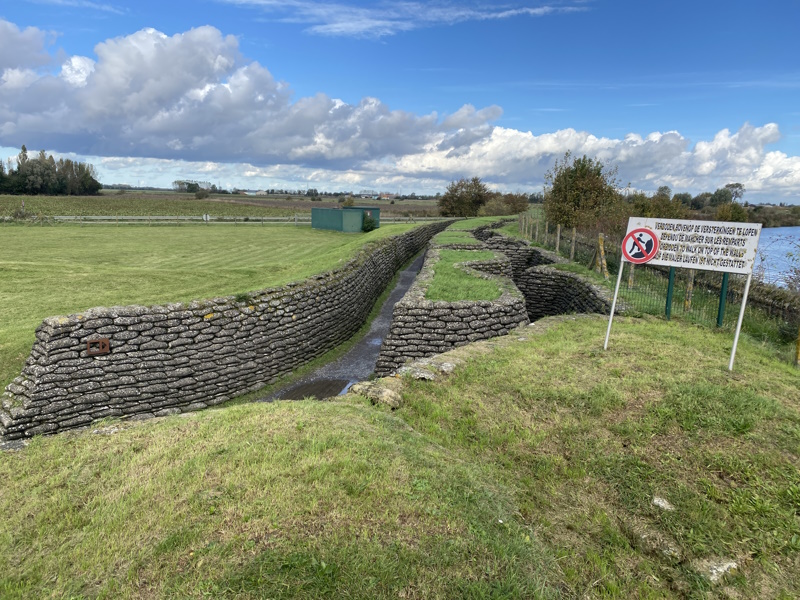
x=406, y=96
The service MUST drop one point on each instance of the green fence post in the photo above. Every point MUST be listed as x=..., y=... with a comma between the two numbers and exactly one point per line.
x=723, y=297
x=670, y=290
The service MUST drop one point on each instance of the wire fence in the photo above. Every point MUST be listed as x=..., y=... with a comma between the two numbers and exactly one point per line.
x=708, y=298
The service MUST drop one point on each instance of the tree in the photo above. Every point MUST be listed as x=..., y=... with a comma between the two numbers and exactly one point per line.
x=536, y=198
x=737, y=191
x=582, y=192
x=464, y=198
x=664, y=191
x=731, y=211
x=701, y=201
x=721, y=196
x=659, y=205
x=43, y=175
x=684, y=198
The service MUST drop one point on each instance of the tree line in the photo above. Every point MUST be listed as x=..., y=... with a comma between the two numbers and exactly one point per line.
x=43, y=174
x=586, y=193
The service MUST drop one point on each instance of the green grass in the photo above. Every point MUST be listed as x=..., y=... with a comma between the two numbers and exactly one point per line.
x=135, y=204
x=55, y=271
x=456, y=237
x=529, y=472
x=472, y=223
x=587, y=438
x=452, y=284
x=300, y=499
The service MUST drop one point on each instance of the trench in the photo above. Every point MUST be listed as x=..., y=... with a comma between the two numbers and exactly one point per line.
x=358, y=363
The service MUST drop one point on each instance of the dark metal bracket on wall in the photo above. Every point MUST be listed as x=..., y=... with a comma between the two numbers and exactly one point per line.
x=98, y=347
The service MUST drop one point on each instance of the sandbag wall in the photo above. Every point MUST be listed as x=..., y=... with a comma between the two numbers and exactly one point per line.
x=422, y=328
x=182, y=357
x=547, y=291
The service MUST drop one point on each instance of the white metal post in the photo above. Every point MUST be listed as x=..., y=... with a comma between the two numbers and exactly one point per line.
x=614, y=302
x=741, y=318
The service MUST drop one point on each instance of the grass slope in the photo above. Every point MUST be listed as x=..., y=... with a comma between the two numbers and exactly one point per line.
x=55, y=271
x=452, y=283
x=529, y=472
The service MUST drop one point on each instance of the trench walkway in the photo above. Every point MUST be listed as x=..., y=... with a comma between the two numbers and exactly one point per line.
x=358, y=363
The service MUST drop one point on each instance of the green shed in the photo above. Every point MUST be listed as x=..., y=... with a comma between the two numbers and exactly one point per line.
x=349, y=219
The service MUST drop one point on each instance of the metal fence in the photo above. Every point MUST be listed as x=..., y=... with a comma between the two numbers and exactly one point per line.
x=708, y=298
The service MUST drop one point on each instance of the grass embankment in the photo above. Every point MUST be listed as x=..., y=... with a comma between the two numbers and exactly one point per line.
x=529, y=472
x=449, y=236
x=452, y=283
x=55, y=271
x=473, y=223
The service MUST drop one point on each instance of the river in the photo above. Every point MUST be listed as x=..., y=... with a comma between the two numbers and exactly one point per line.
x=773, y=247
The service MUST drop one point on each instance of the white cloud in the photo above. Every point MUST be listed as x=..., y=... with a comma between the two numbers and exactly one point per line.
x=109, y=8
x=22, y=48
x=150, y=105
x=390, y=18
x=77, y=70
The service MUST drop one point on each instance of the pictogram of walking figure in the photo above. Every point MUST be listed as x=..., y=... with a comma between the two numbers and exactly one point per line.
x=640, y=246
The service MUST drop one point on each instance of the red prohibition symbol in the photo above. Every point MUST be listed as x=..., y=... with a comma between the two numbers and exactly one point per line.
x=640, y=246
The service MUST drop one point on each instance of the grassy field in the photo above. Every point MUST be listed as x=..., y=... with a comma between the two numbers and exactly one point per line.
x=528, y=473
x=167, y=203
x=456, y=237
x=55, y=271
x=452, y=284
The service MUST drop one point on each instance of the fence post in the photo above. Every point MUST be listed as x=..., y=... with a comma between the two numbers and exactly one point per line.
x=572, y=246
x=537, y=231
x=546, y=227
x=630, y=276
x=558, y=237
x=601, y=244
x=723, y=297
x=687, y=303
x=670, y=291
x=797, y=351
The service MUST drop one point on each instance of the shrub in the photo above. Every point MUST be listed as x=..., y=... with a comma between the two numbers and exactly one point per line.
x=369, y=224
x=200, y=194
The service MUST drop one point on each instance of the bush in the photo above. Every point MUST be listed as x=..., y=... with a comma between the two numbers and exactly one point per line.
x=368, y=224
x=464, y=198
x=200, y=194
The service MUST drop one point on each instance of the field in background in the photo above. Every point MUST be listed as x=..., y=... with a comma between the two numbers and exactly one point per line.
x=61, y=270
x=530, y=472
x=134, y=203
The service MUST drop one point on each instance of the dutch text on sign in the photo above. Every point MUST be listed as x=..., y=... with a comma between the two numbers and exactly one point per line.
x=707, y=245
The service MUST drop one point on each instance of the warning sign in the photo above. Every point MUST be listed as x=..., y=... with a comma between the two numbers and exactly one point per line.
x=707, y=245
x=640, y=246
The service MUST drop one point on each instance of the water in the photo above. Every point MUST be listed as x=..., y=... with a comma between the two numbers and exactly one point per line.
x=359, y=362
x=774, y=245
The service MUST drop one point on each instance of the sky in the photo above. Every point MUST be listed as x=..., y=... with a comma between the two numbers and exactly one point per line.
x=407, y=96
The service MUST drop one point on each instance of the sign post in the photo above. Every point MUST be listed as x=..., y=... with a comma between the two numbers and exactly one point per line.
x=706, y=245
